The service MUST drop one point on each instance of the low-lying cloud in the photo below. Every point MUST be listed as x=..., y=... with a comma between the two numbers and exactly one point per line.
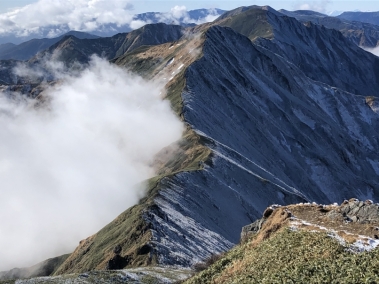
x=73, y=162
x=181, y=14
x=374, y=51
x=318, y=6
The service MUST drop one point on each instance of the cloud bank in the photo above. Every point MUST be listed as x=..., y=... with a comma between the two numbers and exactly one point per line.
x=78, y=15
x=71, y=164
x=46, y=18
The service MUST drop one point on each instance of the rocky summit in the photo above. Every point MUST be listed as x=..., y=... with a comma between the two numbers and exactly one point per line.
x=277, y=111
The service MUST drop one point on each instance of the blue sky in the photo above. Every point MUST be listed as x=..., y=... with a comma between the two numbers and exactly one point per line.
x=157, y=5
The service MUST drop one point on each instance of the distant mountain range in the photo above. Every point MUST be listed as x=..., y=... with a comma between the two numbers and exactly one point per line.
x=360, y=32
x=192, y=17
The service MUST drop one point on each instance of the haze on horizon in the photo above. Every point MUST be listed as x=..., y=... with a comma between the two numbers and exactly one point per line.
x=23, y=17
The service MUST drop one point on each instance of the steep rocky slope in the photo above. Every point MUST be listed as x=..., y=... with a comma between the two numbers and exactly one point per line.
x=263, y=127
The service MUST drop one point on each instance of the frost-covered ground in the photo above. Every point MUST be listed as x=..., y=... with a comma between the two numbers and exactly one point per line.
x=158, y=275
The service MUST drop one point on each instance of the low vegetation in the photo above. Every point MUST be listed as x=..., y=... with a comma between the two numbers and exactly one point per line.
x=293, y=257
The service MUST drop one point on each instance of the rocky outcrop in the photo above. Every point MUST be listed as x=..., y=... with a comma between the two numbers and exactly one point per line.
x=364, y=212
x=352, y=216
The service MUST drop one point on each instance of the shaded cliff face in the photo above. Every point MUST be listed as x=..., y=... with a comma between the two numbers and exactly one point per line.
x=360, y=32
x=276, y=120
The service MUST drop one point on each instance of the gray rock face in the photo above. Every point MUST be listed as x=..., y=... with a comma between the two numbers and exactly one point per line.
x=252, y=228
x=357, y=211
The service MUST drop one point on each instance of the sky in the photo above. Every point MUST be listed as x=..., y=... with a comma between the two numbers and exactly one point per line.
x=141, y=6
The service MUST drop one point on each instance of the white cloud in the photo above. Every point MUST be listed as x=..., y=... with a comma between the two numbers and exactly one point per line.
x=136, y=24
x=70, y=166
x=318, y=6
x=80, y=15
x=374, y=51
x=179, y=14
